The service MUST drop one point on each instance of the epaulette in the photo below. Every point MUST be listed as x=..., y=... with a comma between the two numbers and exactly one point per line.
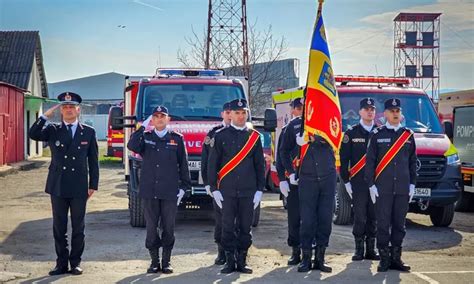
x=172, y=132
x=378, y=129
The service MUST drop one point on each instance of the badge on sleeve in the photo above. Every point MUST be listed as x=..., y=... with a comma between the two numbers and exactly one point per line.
x=345, y=139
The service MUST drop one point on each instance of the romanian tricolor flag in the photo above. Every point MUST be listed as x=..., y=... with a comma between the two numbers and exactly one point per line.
x=322, y=112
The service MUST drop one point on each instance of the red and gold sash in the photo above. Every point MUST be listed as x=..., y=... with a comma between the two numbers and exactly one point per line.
x=357, y=167
x=237, y=159
x=392, y=152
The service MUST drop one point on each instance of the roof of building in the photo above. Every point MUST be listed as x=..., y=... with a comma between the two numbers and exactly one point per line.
x=18, y=49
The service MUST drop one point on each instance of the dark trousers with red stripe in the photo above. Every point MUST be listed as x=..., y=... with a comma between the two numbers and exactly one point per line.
x=391, y=210
x=365, y=224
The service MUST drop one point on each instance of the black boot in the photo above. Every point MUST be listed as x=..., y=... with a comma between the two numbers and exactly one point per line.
x=370, y=252
x=155, y=261
x=295, y=256
x=166, y=265
x=319, y=264
x=396, y=260
x=220, y=259
x=359, y=249
x=242, y=263
x=229, y=266
x=305, y=264
x=384, y=263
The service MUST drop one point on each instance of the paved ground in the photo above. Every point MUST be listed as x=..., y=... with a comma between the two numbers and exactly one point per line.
x=115, y=252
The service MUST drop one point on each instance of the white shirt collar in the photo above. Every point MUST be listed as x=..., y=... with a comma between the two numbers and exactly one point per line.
x=74, y=124
x=161, y=133
x=237, y=127
x=368, y=128
x=396, y=127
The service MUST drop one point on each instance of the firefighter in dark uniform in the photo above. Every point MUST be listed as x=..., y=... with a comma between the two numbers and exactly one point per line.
x=236, y=176
x=73, y=177
x=316, y=186
x=353, y=151
x=162, y=186
x=288, y=152
x=391, y=175
x=225, y=114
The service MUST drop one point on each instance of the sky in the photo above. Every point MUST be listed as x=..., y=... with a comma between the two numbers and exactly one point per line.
x=83, y=38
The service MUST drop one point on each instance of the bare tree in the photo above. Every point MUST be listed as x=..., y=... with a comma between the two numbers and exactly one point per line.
x=264, y=51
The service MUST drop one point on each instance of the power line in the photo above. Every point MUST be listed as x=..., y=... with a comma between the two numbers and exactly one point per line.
x=458, y=35
x=361, y=41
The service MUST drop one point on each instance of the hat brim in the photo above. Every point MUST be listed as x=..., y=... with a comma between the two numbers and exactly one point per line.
x=240, y=108
x=160, y=112
x=393, y=107
x=69, y=103
x=368, y=106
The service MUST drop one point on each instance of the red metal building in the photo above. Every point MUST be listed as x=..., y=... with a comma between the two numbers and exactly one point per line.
x=11, y=124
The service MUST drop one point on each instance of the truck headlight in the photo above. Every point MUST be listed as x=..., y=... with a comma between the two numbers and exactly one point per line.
x=453, y=160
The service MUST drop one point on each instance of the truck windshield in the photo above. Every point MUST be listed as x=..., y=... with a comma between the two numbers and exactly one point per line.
x=418, y=112
x=187, y=101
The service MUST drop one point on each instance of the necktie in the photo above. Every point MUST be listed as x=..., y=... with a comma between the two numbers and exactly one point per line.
x=69, y=130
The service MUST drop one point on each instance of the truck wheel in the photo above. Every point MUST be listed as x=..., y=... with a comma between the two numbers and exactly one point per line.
x=342, y=206
x=135, y=206
x=465, y=202
x=442, y=216
x=256, y=217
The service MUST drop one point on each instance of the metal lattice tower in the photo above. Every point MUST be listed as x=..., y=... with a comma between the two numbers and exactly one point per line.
x=227, y=43
x=417, y=49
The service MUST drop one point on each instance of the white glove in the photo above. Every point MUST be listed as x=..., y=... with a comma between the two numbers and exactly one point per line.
x=373, y=193
x=284, y=188
x=180, y=196
x=257, y=198
x=218, y=198
x=208, y=190
x=146, y=123
x=300, y=139
x=293, y=179
x=411, y=193
x=349, y=189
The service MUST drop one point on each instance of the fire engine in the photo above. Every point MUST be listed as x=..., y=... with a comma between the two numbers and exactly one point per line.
x=194, y=98
x=438, y=165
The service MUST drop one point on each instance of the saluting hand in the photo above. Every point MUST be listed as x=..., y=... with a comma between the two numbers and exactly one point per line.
x=49, y=113
x=146, y=123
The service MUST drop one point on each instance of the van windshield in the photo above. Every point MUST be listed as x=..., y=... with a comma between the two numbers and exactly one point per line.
x=418, y=112
x=187, y=101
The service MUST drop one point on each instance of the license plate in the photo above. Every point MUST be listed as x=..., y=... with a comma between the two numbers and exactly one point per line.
x=423, y=192
x=194, y=165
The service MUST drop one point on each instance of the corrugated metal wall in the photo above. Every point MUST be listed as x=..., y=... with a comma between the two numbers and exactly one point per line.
x=12, y=124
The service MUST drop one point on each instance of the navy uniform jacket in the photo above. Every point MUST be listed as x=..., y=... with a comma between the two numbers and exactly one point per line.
x=164, y=168
x=246, y=178
x=353, y=148
x=205, y=152
x=288, y=147
x=71, y=159
x=319, y=162
x=278, y=163
x=401, y=171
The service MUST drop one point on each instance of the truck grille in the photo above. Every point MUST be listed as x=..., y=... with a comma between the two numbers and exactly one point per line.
x=430, y=167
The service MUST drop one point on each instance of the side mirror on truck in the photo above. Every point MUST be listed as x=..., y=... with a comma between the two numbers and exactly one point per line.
x=448, y=129
x=116, y=118
x=270, y=120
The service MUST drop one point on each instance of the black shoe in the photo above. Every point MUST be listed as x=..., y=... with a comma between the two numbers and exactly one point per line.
x=166, y=266
x=370, y=252
x=319, y=264
x=58, y=270
x=396, y=260
x=77, y=270
x=229, y=266
x=384, y=263
x=220, y=259
x=155, y=266
x=359, y=249
x=305, y=264
x=242, y=263
x=295, y=256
